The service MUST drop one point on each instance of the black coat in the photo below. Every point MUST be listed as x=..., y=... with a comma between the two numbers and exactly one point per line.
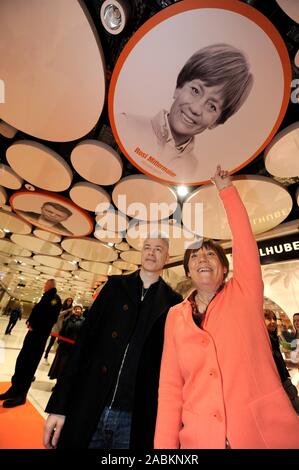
x=81, y=395
x=70, y=330
x=45, y=313
x=42, y=318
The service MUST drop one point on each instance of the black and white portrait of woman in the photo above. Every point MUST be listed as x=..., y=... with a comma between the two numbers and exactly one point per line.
x=200, y=98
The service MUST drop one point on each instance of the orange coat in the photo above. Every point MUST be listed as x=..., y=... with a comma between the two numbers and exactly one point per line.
x=220, y=381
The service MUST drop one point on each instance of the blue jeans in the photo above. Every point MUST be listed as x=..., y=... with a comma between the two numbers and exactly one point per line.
x=113, y=430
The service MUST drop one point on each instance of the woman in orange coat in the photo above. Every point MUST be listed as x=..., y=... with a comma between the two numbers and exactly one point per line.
x=219, y=386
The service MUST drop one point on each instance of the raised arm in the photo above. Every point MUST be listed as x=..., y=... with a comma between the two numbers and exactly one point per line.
x=246, y=263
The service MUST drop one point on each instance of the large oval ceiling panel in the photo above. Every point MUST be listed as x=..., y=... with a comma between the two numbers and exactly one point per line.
x=100, y=268
x=158, y=119
x=44, y=235
x=267, y=204
x=13, y=223
x=282, y=154
x=53, y=66
x=10, y=248
x=36, y=245
x=89, y=196
x=3, y=196
x=290, y=7
x=39, y=165
x=89, y=249
x=9, y=178
x=144, y=199
x=97, y=162
x=53, y=262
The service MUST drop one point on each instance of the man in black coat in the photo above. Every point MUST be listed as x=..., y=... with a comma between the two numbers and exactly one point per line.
x=43, y=316
x=108, y=400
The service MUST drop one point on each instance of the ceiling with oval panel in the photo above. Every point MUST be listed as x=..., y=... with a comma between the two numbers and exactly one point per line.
x=266, y=201
x=144, y=199
x=12, y=223
x=97, y=162
x=39, y=165
x=66, y=87
x=64, y=98
x=9, y=178
x=3, y=196
x=99, y=268
x=36, y=245
x=48, y=236
x=89, y=249
x=131, y=256
x=106, y=236
x=282, y=154
x=89, y=196
x=54, y=262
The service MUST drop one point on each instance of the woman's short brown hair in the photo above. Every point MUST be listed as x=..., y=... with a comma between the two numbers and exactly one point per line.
x=208, y=244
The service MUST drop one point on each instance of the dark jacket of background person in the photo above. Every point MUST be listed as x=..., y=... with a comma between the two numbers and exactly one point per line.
x=289, y=387
x=45, y=313
x=15, y=315
x=83, y=391
x=69, y=331
x=65, y=313
x=43, y=316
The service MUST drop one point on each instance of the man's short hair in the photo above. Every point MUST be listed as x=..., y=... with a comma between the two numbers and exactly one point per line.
x=220, y=64
x=59, y=207
x=158, y=235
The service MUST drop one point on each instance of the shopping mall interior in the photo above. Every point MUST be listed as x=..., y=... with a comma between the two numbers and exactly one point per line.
x=73, y=76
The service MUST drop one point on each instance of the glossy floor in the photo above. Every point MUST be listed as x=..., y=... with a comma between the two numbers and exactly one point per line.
x=10, y=346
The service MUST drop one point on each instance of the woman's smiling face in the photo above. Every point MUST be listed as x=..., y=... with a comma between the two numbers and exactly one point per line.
x=196, y=108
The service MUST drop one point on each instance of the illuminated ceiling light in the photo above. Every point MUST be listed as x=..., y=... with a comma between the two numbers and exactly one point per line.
x=30, y=187
x=114, y=15
x=6, y=230
x=182, y=191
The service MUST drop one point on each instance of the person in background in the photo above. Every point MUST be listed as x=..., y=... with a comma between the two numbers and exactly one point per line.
x=219, y=386
x=294, y=343
x=291, y=390
x=40, y=322
x=290, y=348
x=107, y=399
x=67, y=337
x=66, y=311
x=15, y=315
